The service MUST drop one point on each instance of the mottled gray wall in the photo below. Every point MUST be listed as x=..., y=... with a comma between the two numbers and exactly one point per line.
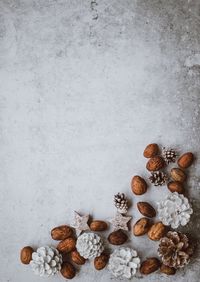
x=84, y=87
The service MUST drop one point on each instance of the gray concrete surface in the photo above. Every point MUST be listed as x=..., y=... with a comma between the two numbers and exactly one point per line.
x=84, y=87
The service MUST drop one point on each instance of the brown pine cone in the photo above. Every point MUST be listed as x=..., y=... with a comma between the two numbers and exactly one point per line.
x=175, y=249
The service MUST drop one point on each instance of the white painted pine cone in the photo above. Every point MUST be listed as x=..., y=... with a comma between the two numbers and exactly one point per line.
x=89, y=245
x=46, y=261
x=175, y=210
x=124, y=263
x=121, y=203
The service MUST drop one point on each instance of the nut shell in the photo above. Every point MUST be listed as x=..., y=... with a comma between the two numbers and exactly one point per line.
x=26, y=254
x=155, y=163
x=149, y=265
x=138, y=185
x=67, y=245
x=178, y=174
x=141, y=227
x=157, y=231
x=151, y=150
x=146, y=209
x=61, y=232
x=117, y=237
x=101, y=261
x=175, y=186
x=167, y=269
x=185, y=160
x=67, y=270
x=77, y=258
x=98, y=225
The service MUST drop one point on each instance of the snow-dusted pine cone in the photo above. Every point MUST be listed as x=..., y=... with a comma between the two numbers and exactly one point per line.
x=46, y=261
x=169, y=155
x=175, y=210
x=158, y=178
x=175, y=249
x=124, y=263
x=89, y=245
x=121, y=203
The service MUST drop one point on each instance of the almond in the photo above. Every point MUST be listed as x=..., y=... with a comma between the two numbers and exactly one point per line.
x=155, y=163
x=67, y=245
x=178, y=174
x=61, y=232
x=117, y=237
x=185, y=160
x=26, y=255
x=149, y=265
x=167, y=269
x=67, y=270
x=141, y=227
x=157, y=231
x=138, y=185
x=98, y=225
x=101, y=261
x=77, y=258
x=146, y=209
x=151, y=150
x=175, y=186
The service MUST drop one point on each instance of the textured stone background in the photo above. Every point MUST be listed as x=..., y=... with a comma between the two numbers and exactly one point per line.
x=84, y=87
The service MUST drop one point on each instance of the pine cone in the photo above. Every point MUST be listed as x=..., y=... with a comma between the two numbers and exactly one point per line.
x=169, y=155
x=89, y=245
x=174, y=210
x=175, y=249
x=121, y=203
x=46, y=261
x=158, y=178
x=124, y=263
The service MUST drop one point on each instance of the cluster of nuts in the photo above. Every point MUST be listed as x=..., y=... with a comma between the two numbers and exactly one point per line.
x=67, y=247
x=178, y=174
x=155, y=231
x=156, y=163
